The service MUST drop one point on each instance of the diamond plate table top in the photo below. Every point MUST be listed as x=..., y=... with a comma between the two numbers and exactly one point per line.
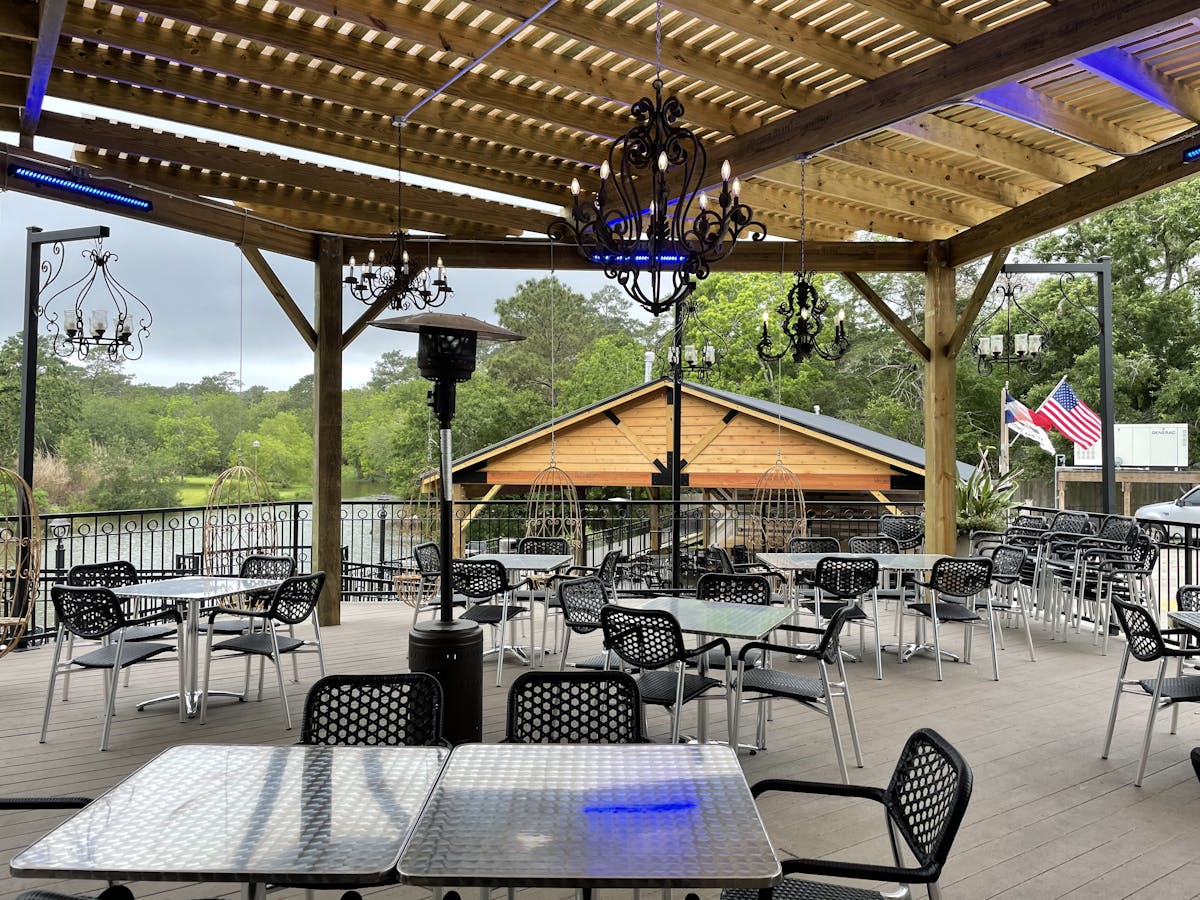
x=590, y=815
x=196, y=587
x=717, y=619
x=1185, y=619
x=528, y=562
x=299, y=815
x=894, y=562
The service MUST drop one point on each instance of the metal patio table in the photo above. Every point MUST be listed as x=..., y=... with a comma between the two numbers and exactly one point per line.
x=193, y=591
x=536, y=564
x=307, y=816
x=590, y=816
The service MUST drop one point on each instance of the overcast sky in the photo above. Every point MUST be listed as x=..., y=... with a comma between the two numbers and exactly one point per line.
x=206, y=300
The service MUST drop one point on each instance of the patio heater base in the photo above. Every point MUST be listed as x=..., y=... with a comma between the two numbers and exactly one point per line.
x=452, y=652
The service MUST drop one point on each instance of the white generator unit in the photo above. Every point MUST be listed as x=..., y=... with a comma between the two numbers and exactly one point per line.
x=1154, y=446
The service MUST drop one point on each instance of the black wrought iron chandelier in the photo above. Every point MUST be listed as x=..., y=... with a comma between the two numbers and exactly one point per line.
x=650, y=225
x=1022, y=347
x=118, y=326
x=802, y=313
x=695, y=362
x=403, y=283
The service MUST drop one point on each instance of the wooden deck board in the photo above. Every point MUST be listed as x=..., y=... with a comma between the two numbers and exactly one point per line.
x=1049, y=818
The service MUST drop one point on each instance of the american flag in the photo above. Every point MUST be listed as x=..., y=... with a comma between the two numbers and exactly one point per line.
x=1071, y=415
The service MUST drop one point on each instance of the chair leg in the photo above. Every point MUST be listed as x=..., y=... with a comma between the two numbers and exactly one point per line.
x=878, y=641
x=111, y=704
x=937, y=642
x=1112, y=716
x=562, y=660
x=677, y=709
x=1019, y=596
x=317, y=638
x=58, y=648
x=287, y=713
x=1154, y=699
x=850, y=713
x=833, y=723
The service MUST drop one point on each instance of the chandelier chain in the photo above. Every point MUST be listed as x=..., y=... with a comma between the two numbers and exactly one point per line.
x=803, y=211
x=658, y=40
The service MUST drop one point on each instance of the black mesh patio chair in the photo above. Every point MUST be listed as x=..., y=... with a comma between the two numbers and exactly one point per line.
x=122, y=573
x=397, y=710
x=1006, y=597
x=97, y=614
x=961, y=579
x=1146, y=642
x=574, y=708
x=1187, y=599
x=1129, y=575
x=112, y=892
x=542, y=587
x=908, y=530
x=817, y=693
x=651, y=641
x=429, y=567
x=846, y=581
x=814, y=544
x=720, y=587
x=254, y=566
x=581, y=600
x=293, y=602
x=923, y=804
x=484, y=584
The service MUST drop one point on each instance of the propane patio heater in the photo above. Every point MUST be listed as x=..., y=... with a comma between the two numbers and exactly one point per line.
x=449, y=649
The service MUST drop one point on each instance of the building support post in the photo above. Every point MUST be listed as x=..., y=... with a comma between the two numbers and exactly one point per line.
x=941, y=471
x=327, y=429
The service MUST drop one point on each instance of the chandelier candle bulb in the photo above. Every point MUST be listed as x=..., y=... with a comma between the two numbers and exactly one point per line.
x=99, y=322
x=1021, y=344
x=575, y=186
x=1035, y=344
x=689, y=354
x=726, y=171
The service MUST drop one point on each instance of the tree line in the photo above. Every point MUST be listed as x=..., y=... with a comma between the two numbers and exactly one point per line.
x=107, y=443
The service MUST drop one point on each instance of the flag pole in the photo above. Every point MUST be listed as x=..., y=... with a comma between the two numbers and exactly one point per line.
x=1003, y=462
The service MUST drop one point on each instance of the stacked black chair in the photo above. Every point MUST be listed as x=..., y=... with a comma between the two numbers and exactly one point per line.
x=1146, y=642
x=1129, y=576
x=817, y=694
x=97, y=614
x=960, y=579
x=485, y=586
x=574, y=708
x=651, y=641
x=1006, y=597
x=924, y=804
x=397, y=710
x=294, y=601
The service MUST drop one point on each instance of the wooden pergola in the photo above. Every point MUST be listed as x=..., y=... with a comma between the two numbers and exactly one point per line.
x=954, y=128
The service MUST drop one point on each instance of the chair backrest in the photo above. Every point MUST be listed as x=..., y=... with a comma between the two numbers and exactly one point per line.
x=581, y=600
x=644, y=638
x=542, y=544
x=295, y=599
x=826, y=648
x=1119, y=528
x=814, y=545
x=909, y=531
x=961, y=576
x=1187, y=598
x=873, y=543
x=478, y=578
x=1143, y=555
x=725, y=588
x=429, y=559
x=87, y=611
x=846, y=577
x=1072, y=522
x=928, y=796
x=1029, y=522
x=267, y=567
x=1007, y=563
x=402, y=710
x=117, y=573
x=574, y=708
x=1142, y=637
x=719, y=560
x=607, y=571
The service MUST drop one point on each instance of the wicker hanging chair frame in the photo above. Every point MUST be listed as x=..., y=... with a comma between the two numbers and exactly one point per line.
x=20, y=557
x=239, y=521
x=553, y=507
x=778, y=513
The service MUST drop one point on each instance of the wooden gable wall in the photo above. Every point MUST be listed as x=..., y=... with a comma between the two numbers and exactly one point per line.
x=627, y=443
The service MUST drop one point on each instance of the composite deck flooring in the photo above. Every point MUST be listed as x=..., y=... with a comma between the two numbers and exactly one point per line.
x=1049, y=817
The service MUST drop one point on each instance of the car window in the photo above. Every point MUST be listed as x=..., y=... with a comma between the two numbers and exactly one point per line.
x=1191, y=498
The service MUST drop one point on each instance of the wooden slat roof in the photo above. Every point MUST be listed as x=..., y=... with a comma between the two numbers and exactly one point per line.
x=977, y=122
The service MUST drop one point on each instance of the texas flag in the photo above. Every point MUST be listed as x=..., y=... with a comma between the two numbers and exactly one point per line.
x=1027, y=422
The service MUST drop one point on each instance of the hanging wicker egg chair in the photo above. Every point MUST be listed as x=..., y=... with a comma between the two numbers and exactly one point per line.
x=20, y=558
x=239, y=521
x=777, y=514
x=553, y=507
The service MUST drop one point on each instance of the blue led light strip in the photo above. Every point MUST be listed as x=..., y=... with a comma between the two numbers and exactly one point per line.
x=1192, y=154
x=75, y=187
x=668, y=259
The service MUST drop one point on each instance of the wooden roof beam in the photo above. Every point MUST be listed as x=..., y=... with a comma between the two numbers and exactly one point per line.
x=1036, y=108
x=1061, y=31
x=1125, y=70
x=924, y=17
x=49, y=27
x=888, y=314
x=1105, y=188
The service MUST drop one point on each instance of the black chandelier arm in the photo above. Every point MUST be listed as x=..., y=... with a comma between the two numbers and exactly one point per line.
x=801, y=319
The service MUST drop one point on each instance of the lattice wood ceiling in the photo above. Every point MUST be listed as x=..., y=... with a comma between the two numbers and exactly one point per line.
x=980, y=122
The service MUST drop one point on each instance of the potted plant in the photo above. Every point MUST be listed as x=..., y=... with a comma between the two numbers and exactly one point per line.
x=983, y=501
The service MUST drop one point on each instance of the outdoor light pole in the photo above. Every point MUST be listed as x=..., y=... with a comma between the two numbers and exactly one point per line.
x=450, y=649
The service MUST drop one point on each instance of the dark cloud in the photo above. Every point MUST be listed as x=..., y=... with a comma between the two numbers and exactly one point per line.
x=211, y=311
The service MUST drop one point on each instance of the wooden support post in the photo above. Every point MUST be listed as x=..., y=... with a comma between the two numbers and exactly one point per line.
x=941, y=472
x=327, y=430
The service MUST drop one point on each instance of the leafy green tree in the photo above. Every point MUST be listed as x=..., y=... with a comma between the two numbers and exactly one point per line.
x=188, y=441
